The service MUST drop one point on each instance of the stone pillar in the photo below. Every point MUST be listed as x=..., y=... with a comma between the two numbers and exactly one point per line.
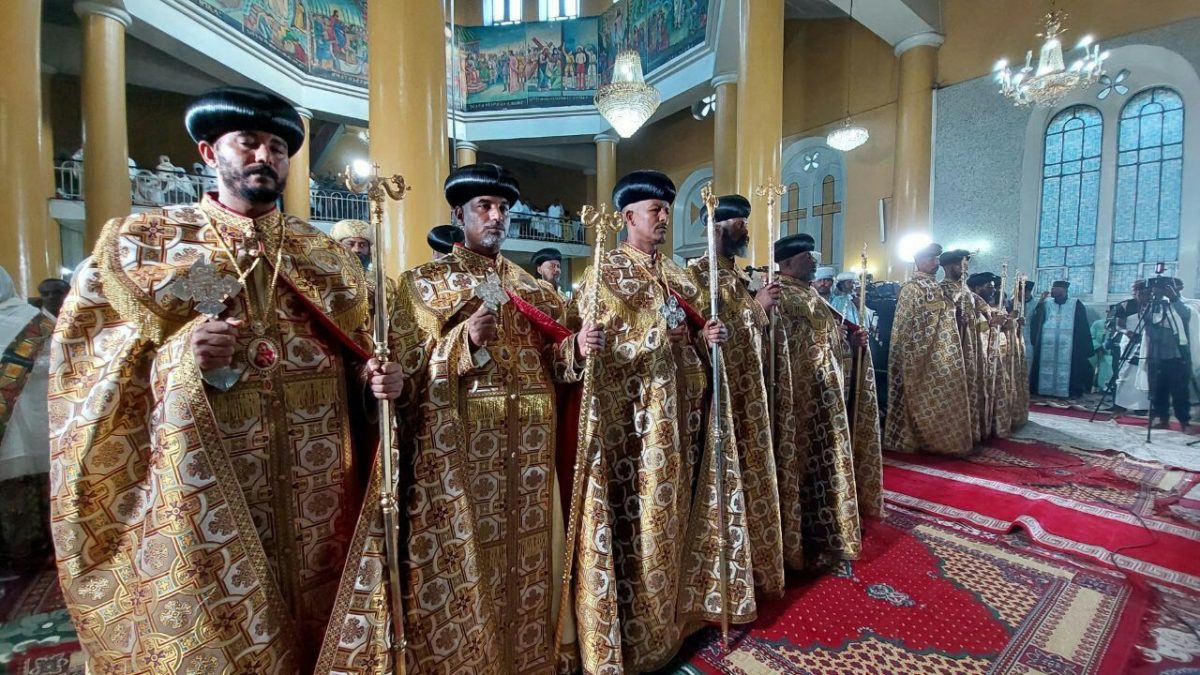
x=759, y=112
x=106, y=190
x=407, y=110
x=725, y=133
x=914, y=137
x=297, y=198
x=606, y=172
x=465, y=153
x=51, y=235
x=22, y=199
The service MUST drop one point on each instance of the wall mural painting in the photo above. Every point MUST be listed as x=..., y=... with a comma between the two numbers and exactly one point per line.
x=339, y=39
x=561, y=63
x=530, y=65
x=527, y=65
x=326, y=38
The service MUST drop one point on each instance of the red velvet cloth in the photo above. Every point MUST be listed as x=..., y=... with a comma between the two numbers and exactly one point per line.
x=695, y=319
x=542, y=322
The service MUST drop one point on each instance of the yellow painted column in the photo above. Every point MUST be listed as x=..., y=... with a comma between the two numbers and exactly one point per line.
x=759, y=111
x=297, y=198
x=725, y=133
x=579, y=265
x=914, y=138
x=22, y=198
x=106, y=190
x=465, y=153
x=589, y=177
x=407, y=110
x=51, y=235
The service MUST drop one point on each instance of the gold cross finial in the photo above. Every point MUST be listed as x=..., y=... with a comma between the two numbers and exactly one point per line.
x=600, y=220
x=770, y=190
x=708, y=198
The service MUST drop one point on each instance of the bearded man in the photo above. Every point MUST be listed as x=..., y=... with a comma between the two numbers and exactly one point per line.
x=548, y=265
x=928, y=405
x=476, y=336
x=746, y=315
x=212, y=508
x=971, y=317
x=645, y=558
x=827, y=445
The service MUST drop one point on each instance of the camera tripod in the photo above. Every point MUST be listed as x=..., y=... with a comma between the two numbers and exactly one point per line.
x=1160, y=305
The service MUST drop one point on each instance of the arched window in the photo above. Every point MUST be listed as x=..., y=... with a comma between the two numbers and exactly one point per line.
x=1149, y=187
x=557, y=10
x=1070, y=199
x=689, y=238
x=497, y=12
x=815, y=176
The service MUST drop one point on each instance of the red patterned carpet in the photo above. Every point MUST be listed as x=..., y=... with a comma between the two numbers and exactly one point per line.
x=30, y=593
x=1107, y=507
x=929, y=596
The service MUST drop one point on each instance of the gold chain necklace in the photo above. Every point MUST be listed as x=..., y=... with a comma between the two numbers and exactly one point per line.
x=258, y=325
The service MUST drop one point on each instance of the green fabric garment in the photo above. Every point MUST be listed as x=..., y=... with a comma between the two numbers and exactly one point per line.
x=1101, y=364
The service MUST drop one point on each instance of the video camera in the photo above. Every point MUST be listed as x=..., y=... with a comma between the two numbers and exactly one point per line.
x=1160, y=285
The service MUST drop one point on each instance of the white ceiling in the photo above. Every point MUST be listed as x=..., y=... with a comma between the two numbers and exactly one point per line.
x=811, y=9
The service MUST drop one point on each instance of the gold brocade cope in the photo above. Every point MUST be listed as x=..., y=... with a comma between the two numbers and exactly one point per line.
x=825, y=482
x=971, y=314
x=199, y=531
x=750, y=432
x=997, y=351
x=928, y=406
x=562, y=299
x=640, y=586
x=1019, y=376
x=485, y=524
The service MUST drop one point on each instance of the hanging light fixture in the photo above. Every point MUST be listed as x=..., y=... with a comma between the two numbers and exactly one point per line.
x=848, y=136
x=627, y=102
x=1051, y=80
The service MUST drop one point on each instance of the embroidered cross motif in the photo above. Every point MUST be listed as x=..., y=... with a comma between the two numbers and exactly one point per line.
x=672, y=312
x=491, y=292
x=206, y=287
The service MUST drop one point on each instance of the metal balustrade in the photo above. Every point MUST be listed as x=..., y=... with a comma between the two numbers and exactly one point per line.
x=160, y=188
x=544, y=228
x=335, y=205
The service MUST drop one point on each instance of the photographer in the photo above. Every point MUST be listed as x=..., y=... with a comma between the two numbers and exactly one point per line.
x=1166, y=346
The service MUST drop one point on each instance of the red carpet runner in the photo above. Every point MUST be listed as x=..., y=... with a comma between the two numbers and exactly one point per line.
x=931, y=597
x=1102, y=507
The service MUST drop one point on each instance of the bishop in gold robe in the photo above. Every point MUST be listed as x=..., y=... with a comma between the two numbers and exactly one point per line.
x=743, y=365
x=476, y=336
x=547, y=267
x=644, y=556
x=211, y=507
x=827, y=455
x=929, y=409
x=971, y=318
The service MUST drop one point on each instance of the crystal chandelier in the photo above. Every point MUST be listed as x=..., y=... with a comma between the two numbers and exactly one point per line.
x=627, y=102
x=1046, y=84
x=847, y=137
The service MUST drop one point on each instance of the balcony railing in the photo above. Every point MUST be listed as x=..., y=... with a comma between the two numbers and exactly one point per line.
x=335, y=205
x=545, y=228
x=160, y=188
x=146, y=188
